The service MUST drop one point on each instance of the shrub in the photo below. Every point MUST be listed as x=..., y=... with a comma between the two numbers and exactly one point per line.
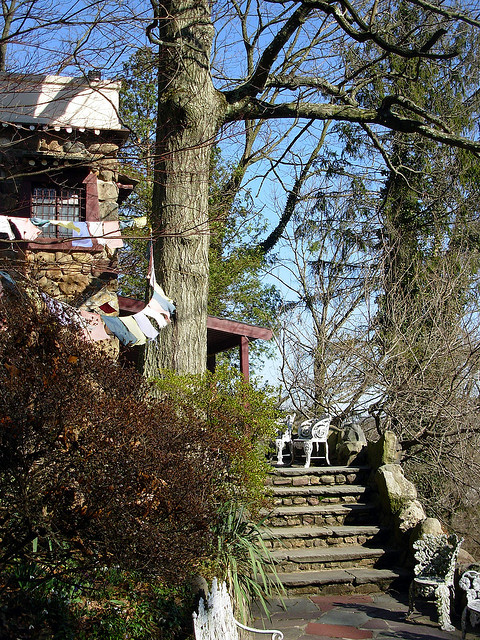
x=240, y=414
x=244, y=416
x=107, y=604
x=91, y=466
x=98, y=475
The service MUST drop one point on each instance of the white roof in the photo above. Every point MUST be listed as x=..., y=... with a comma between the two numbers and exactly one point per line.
x=59, y=101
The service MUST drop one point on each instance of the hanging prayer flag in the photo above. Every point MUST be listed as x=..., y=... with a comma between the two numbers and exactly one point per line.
x=145, y=325
x=25, y=228
x=39, y=222
x=111, y=235
x=5, y=228
x=155, y=315
x=68, y=224
x=151, y=268
x=159, y=295
x=155, y=306
x=132, y=326
x=162, y=300
x=118, y=329
x=107, y=308
x=81, y=238
x=95, y=229
x=93, y=326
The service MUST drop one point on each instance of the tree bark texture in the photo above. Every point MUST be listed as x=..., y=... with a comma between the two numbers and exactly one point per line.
x=189, y=114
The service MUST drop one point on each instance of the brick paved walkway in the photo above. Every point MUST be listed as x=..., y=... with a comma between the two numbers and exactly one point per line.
x=379, y=616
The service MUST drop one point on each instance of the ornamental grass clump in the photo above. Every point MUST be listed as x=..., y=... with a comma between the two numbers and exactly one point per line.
x=241, y=558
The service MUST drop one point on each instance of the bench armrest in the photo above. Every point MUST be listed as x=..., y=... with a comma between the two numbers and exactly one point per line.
x=276, y=635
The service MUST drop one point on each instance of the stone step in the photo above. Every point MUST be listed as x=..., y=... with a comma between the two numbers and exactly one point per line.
x=299, y=476
x=314, y=494
x=325, y=558
x=322, y=514
x=314, y=536
x=324, y=536
x=344, y=581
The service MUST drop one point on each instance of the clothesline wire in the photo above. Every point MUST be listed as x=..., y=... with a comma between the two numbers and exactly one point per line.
x=200, y=228
x=125, y=238
x=89, y=267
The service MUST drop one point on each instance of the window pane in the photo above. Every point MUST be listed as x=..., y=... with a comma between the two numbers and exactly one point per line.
x=68, y=209
x=43, y=203
x=44, y=207
x=69, y=205
x=56, y=204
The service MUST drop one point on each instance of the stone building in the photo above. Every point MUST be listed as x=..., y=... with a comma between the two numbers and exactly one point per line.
x=60, y=188
x=59, y=141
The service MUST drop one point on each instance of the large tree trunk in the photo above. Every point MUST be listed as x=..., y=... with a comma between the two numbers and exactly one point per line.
x=189, y=115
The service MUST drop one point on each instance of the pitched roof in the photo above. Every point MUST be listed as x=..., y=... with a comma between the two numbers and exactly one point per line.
x=59, y=101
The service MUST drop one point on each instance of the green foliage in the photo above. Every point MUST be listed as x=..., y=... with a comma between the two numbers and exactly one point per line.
x=35, y=610
x=237, y=288
x=238, y=413
x=138, y=105
x=124, y=606
x=104, y=604
x=429, y=210
x=241, y=558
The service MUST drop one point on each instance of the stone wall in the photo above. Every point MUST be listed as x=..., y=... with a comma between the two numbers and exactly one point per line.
x=69, y=274
x=83, y=277
x=74, y=277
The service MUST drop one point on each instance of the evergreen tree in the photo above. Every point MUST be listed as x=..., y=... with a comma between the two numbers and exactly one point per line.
x=427, y=329
x=138, y=106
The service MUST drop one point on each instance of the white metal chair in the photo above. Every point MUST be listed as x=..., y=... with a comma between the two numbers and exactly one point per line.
x=215, y=621
x=436, y=556
x=470, y=583
x=312, y=434
x=284, y=439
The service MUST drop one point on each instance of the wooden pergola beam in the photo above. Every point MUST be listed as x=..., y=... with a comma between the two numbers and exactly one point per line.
x=222, y=335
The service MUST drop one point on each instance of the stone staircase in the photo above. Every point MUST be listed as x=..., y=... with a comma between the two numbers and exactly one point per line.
x=324, y=532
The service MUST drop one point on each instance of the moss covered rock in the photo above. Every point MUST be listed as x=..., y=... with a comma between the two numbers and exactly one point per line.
x=384, y=451
x=395, y=491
